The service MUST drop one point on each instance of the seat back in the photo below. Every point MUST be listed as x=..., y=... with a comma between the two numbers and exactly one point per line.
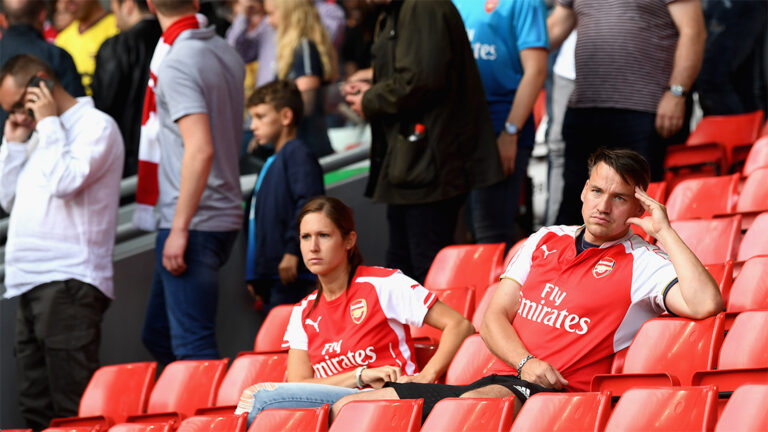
x=583, y=411
x=703, y=198
x=753, y=243
x=291, y=419
x=754, y=194
x=746, y=345
x=727, y=130
x=665, y=409
x=677, y=346
x=223, y=423
x=140, y=427
x=379, y=415
x=757, y=157
x=468, y=414
x=750, y=289
x=746, y=410
x=723, y=275
x=460, y=299
x=466, y=265
x=482, y=306
x=118, y=391
x=270, y=335
x=712, y=240
x=248, y=369
x=471, y=362
x=186, y=385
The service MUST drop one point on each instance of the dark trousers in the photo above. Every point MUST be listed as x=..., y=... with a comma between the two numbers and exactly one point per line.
x=417, y=232
x=58, y=331
x=587, y=129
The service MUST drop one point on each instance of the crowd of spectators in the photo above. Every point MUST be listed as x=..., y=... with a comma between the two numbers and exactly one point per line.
x=448, y=88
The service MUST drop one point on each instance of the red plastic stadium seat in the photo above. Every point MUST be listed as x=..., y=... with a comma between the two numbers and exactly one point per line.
x=657, y=191
x=467, y=414
x=17, y=430
x=374, y=415
x=703, y=198
x=712, y=240
x=222, y=423
x=750, y=289
x=746, y=411
x=666, y=351
x=113, y=393
x=296, y=419
x=753, y=243
x=183, y=387
x=461, y=299
x=142, y=427
x=556, y=412
x=270, y=335
x=471, y=362
x=754, y=195
x=757, y=157
x=723, y=275
x=247, y=369
x=665, y=409
x=477, y=318
x=466, y=265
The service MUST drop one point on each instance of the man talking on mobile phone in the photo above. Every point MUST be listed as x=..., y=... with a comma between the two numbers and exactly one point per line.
x=60, y=166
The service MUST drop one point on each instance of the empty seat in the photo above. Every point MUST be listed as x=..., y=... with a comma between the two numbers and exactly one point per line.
x=712, y=240
x=703, y=198
x=214, y=423
x=471, y=362
x=746, y=410
x=750, y=289
x=467, y=414
x=754, y=195
x=553, y=412
x=753, y=243
x=461, y=299
x=295, y=419
x=482, y=306
x=665, y=409
x=270, y=335
x=113, y=393
x=466, y=265
x=183, y=387
x=757, y=157
x=666, y=351
x=379, y=415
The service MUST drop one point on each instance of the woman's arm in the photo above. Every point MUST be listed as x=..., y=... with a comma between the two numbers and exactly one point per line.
x=300, y=370
x=455, y=329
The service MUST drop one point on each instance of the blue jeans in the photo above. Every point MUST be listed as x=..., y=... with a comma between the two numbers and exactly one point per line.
x=181, y=312
x=297, y=395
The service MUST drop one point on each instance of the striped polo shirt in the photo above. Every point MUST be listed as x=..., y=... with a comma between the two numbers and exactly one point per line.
x=624, y=53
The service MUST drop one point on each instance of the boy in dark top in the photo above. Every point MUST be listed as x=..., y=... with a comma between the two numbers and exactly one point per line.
x=275, y=272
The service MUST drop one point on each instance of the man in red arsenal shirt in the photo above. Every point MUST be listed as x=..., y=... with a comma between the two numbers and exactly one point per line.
x=575, y=295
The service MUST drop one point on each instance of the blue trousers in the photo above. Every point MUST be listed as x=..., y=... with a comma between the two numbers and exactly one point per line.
x=297, y=395
x=181, y=312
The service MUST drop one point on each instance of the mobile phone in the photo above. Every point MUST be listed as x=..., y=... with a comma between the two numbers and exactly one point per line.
x=36, y=80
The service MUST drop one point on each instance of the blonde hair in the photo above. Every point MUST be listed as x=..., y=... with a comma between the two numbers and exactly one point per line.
x=298, y=19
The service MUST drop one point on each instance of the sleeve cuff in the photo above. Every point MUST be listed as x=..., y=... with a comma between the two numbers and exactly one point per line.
x=48, y=126
x=664, y=295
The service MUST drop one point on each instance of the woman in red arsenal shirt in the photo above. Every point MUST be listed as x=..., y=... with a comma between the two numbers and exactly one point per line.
x=352, y=333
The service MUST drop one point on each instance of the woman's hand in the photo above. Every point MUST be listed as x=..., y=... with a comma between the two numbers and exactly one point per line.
x=376, y=377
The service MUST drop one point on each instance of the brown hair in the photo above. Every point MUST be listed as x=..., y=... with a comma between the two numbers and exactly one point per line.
x=23, y=67
x=629, y=164
x=341, y=216
x=280, y=94
x=174, y=7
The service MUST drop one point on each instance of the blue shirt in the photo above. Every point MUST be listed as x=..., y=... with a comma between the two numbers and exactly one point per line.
x=498, y=30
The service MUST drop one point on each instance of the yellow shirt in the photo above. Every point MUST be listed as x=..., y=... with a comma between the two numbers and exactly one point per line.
x=84, y=46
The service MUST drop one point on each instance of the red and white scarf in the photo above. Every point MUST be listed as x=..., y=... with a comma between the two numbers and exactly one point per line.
x=147, y=188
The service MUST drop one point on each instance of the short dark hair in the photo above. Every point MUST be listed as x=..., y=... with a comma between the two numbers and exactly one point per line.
x=25, y=13
x=23, y=67
x=629, y=164
x=141, y=4
x=280, y=94
x=173, y=7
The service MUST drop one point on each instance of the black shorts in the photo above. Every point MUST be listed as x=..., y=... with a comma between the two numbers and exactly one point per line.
x=433, y=393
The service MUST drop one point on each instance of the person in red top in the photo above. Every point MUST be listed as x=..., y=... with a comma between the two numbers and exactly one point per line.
x=352, y=333
x=573, y=296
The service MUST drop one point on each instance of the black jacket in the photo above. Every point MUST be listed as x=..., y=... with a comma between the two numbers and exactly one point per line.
x=25, y=39
x=425, y=72
x=120, y=81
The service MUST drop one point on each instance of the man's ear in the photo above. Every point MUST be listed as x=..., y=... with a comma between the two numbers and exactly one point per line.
x=286, y=116
x=151, y=7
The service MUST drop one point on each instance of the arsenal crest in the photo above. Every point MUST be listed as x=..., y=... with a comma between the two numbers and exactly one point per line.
x=357, y=310
x=490, y=5
x=603, y=267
